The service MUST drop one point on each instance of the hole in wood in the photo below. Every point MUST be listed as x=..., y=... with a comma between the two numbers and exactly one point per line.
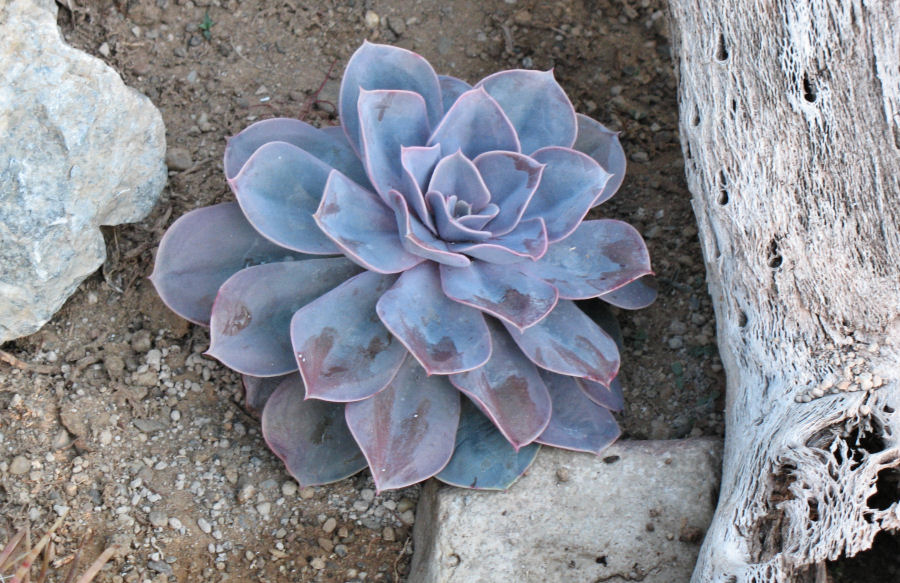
x=887, y=489
x=809, y=89
x=883, y=560
x=774, y=259
x=861, y=443
x=813, y=505
x=721, y=49
x=770, y=527
x=695, y=121
x=723, y=188
x=742, y=319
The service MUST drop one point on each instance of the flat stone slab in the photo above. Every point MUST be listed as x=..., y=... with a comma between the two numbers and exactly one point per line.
x=636, y=513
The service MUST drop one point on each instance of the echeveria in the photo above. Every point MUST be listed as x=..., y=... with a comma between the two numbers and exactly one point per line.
x=432, y=245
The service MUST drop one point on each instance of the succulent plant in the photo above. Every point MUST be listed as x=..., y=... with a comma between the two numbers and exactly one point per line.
x=432, y=245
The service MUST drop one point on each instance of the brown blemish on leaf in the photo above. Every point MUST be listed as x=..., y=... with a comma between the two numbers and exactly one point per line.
x=240, y=319
x=444, y=350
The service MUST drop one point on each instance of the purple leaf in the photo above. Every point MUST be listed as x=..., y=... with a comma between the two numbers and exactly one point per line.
x=451, y=89
x=407, y=431
x=457, y=175
x=597, y=258
x=365, y=229
x=509, y=390
x=310, y=436
x=343, y=351
x=201, y=250
x=326, y=144
x=390, y=120
x=448, y=226
x=570, y=183
x=483, y=459
x=610, y=397
x=483, y=217
x=511, y=179
x=250, y=324
x=385, y=67
x=536, y=105
x=577, y=423
x=257, y=390
x=419, y=163
x=501, y=291
x=527, y=241
x=638, y=294
x=418, y=240
x=570, y=343
x=445, y=336
x=279, y=188
x=602, y=144
x=475, y=124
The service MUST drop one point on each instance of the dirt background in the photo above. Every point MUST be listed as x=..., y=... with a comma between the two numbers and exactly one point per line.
x=114, y=416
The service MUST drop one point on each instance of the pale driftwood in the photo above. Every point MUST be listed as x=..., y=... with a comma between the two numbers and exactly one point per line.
x=790, y=124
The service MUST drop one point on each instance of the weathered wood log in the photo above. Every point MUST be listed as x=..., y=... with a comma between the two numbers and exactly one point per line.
x=790, y=126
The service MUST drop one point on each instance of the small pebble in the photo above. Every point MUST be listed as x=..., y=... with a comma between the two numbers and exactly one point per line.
x=104, y=50
x=158, y=518
x=307, y=493
x=326, y=544
x=329, y=525
x=204, y=525
x=264, y=508
x=161, y=567
x=562, y=474
x=175, y=524
x=289, y=488
x=245, y=493
x=19, y=465
x=640, y=156
x=388, y=534
x=367, y=494
x=318, y=563
x=397, y=25
x=141, y=341
x=178, y=159
x=372, y=19
x=61, y=439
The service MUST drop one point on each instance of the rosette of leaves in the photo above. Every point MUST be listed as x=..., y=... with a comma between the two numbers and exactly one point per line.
x=400, y=291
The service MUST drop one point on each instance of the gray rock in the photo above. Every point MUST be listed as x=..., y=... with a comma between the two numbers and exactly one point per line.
x=638, y=513
x=19, y=465
x=79, y=150
x=158, y=518
x=178, y=159
x=149, y=425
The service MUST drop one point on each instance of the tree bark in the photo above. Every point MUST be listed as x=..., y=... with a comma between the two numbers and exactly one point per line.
x=790, y=126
